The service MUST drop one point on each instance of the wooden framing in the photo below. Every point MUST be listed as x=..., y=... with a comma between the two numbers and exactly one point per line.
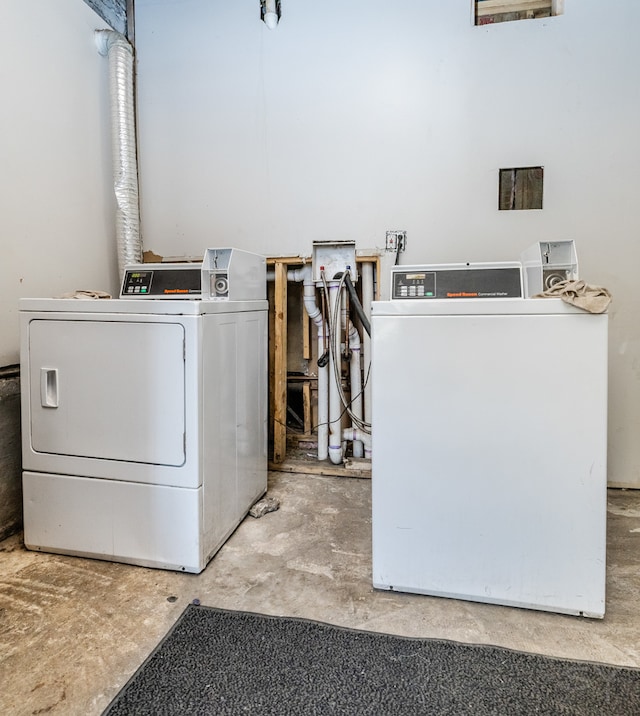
x=280, y=364
x=278, y=376
x=278, y=354
x=497, y=7
x=306, y=403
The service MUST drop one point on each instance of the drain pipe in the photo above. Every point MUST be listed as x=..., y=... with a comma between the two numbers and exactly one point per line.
x=330, y=434
x=335, y=426
x=355, y=380
x=356, y=383
x=367, y=298
x=356, y=435
x=315, y=314
x=119, y=52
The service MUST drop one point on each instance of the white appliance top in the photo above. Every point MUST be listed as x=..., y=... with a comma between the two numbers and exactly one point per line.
x=476, y=307
x=131, y=306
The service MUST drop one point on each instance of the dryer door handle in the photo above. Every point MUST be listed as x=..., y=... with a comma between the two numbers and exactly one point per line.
x=49, y=387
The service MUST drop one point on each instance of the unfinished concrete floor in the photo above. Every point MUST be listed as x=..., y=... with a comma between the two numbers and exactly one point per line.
x=72, y=630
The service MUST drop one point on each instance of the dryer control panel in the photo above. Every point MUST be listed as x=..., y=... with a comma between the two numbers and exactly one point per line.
x=223, y=275
x=161, y=281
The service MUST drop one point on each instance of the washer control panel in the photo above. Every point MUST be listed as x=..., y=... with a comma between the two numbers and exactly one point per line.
x=452, y=281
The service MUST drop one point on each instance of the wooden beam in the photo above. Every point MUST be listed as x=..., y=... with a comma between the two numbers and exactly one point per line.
x=325, y=468
x=280, y=364
x=306, y=407
x=497, y=7
x=289, y=260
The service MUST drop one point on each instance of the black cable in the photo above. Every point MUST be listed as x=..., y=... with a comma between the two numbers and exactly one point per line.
x=357, y=305
x=315, y=427
x=324, y=358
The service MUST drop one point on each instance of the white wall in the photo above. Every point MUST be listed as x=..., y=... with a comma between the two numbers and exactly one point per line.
x=56, y=209
x=353, y=118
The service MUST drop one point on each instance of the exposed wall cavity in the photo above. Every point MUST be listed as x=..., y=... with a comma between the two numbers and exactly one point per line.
x=10, y=453
x=112, y=11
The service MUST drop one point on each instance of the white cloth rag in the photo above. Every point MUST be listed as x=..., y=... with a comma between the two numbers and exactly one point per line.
x=594, y=299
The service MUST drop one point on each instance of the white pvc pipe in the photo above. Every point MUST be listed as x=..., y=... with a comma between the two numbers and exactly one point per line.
x=367, y=298
x=355, y=373
x=557, y=7
x=315, y=314
x=323, y=402
x=335, y=432
x=270, y=14
x=123, y=138
x=355, y=435
x=298, y=275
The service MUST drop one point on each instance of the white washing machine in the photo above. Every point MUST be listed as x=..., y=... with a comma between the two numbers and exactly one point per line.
x=144, y=426
x=489, y=461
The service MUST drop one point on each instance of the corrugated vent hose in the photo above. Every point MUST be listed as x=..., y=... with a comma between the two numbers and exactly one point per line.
x=119, y=52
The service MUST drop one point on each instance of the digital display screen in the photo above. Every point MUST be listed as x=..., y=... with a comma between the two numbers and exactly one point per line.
x=163, y=283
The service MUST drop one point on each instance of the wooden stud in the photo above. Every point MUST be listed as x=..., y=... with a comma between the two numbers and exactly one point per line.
x=306, y=335
x=272, y=353
x=280, y=364
x=306, y=407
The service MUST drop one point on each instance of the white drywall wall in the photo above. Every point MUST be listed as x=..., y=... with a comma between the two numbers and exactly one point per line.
x=353, y=118
x=56, y=203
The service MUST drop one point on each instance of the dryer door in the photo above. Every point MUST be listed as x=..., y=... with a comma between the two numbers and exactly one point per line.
x=108, y=389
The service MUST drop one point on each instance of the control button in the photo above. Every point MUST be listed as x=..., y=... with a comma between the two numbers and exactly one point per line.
x=412, y=290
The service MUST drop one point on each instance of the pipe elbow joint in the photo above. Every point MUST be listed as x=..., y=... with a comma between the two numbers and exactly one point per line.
x=106, y=39
x=335, y=454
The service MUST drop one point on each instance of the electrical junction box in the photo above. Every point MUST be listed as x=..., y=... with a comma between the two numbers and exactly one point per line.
x=451, y=281
x=331, y=258
x=168, y=280
x=546, y=263
x=233, y=275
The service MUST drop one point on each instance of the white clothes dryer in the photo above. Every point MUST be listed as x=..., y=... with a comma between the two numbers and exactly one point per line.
x=144, y=426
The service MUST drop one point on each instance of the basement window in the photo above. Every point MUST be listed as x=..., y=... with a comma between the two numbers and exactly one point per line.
x=489, y=12
x=520, y=188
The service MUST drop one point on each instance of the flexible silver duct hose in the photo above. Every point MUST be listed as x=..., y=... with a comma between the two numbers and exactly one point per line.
x=123, y=137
